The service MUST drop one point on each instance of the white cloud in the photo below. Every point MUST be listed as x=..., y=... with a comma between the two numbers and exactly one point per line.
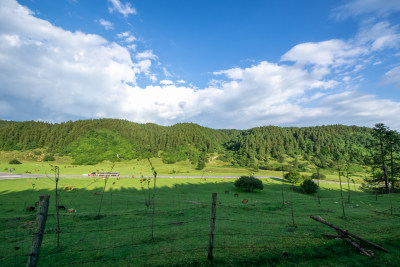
x=358, y=7
x=124, y=9
x=392, y=76
x=65, y=73
x=143, y=66
x=127, y=37
x=379, y=36
x=166, y=82
x=166, y=72
x=362, y=109
x=326, y=53
x=106, y=24
x=53, y=74
x=148, y=54
x=132, y=47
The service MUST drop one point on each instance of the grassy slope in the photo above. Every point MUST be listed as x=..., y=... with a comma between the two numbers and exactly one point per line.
x=257, y=233
x=32, y=164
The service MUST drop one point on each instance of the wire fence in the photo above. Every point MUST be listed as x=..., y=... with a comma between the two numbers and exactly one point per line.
x=121, y=234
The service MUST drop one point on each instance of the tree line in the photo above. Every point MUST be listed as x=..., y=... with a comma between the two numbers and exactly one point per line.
x=92, y=141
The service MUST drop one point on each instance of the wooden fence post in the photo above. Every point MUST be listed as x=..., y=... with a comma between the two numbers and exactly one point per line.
x=57, y=174
x=319, y=201
x=41, y=218
x=212, y=226
x=283, y=179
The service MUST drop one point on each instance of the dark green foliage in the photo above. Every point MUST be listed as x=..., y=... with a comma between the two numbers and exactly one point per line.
x=99, y=145
x=49, y=158
x=14, y=161
x=293, y=177
x=201, y=165
x=249, y=183
x=384, y=157
x=396, y=187
x=271, y=141
x=178, y=142
x=309, y=186
x=183, y=141
x=173, y=156
x=315, y=176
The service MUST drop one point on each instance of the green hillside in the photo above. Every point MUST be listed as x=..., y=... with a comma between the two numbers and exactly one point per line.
x=89, y=142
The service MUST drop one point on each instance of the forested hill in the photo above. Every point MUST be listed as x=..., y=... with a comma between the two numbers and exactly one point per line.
x=91, y=141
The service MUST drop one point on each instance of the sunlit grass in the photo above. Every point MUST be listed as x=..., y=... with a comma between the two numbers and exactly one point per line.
x=257, y=233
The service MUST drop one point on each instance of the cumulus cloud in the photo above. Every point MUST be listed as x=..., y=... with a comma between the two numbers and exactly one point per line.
x=66, y=72
x=53, y=74
x=332, y=52
x=364, y=109
x=124, y=9
x=106, y=24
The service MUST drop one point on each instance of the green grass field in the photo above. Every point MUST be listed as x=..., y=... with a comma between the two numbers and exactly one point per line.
x=33, y=165
x=260, y=232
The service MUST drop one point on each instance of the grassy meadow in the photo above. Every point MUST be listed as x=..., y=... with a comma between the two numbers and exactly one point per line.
x=260, y=232
x=33, y=164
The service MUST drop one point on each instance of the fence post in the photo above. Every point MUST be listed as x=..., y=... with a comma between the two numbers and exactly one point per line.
x=57, y=174
x=212, y=226
x=41, y=218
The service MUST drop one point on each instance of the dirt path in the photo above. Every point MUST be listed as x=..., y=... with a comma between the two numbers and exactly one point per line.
x=7, y=176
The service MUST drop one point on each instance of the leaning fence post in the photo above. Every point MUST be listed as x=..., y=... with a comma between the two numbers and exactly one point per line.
x=212, y=226
x=41, y=218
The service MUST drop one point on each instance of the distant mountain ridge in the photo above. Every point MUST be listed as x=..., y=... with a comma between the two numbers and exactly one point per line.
x=102, y=139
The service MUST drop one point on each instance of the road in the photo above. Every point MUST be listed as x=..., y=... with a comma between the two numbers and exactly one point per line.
x=8, y=176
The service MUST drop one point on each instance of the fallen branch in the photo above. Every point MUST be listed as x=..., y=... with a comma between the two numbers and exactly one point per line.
x=347, y=233
x=330, y=236
x=357, y=246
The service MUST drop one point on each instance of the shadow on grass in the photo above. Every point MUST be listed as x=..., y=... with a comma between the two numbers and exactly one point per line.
x=182, y=212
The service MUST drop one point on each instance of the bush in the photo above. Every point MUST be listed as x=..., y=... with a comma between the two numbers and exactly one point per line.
x=302, y=167
x=315, y=176
x=396, y=187
x=293, y=177
x=200, y=165
x=48, y=158
x=14, y=161
x=309, y=186
x=249, y=183
x=266, y=167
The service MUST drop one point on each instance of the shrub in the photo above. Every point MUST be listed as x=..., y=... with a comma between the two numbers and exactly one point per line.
x=315, y=176
x=49, y=158
x=309, y=186
x=200, y=165
x=293, y=177
x=396, y=187
x=249, y=183
x=265, y=167
x=302, y=167
x=281, y=159
x=14, y=161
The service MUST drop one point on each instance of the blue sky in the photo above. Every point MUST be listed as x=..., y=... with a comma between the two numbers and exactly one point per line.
x=221, y=64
